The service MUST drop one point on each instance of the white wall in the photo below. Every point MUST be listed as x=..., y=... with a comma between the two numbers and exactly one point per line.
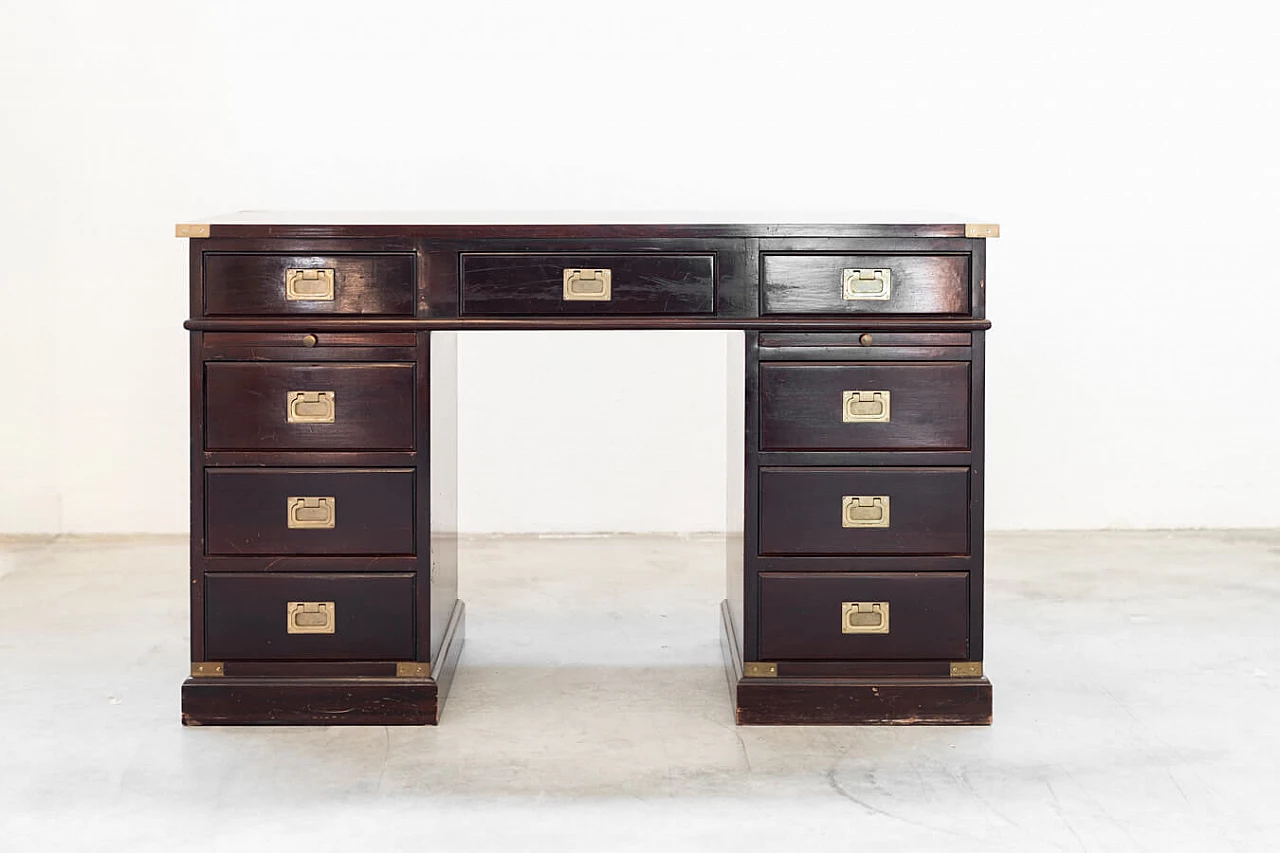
x=1127, y=149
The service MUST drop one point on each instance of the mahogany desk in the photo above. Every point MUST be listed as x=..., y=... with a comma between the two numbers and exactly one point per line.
x=324, y=464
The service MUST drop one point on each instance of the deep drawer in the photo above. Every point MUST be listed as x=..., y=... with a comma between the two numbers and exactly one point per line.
x=334, y=406
x=864, y=284
x=507, y=284
x=864, y=511
x=864, y=616
x=879, y=406
x=308, y=284
x=274, y=511
x=309, y=617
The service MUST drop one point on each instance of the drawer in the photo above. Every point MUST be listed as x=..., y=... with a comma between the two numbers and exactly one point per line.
x=922, y=616
x=864, y=284
x=308, y=284
x=278, y=511
x=868, y=406
x=869, y=511
x=327, y=616
x=295, y=406
x=602, y=284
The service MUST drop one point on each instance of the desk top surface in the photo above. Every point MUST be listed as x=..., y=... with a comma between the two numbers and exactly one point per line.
x=565, y=223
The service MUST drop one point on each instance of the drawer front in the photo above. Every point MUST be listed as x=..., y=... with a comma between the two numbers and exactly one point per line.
x=274, y=511
x=257, y=406
x=507, y=284
x=309, y=617
x=922, y=511
x=308, y=284
x=875, y=406
x=923, y=616
x=864, y=284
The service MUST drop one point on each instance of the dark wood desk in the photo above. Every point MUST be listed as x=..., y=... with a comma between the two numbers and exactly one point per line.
x=324, y=454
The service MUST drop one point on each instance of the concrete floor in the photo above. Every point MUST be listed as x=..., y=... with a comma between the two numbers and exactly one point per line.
x=1134, y=679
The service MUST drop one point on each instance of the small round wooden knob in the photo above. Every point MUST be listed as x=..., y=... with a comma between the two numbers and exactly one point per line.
x=865, y=340
x=310, y=340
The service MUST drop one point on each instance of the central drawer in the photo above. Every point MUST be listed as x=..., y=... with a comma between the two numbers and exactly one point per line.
x=541, y=284
x=282, y=406
x=864, y=511
x=273, y=511
x=322, y=616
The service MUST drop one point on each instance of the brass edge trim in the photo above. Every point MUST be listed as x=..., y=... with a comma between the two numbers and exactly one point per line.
x=206, y=669
x=972, y=229
x=413, y=669
x=184, y=229
x=966, y=669
x=755, y=669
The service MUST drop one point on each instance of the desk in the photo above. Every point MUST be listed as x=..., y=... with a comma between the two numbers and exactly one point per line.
x=324, y=453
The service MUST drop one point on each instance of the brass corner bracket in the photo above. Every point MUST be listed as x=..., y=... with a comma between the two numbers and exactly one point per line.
x=206, y=669
x=183, y=229
x=413, y=669
x=966, y=669
x=754, y=669
x=979, y=230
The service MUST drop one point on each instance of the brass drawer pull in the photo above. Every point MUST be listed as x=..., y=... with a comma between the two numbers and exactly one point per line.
x=588, y=285
x=310, y=407
x=310, y=617
x=308, y=285
x=864, y=617
x=865, y=511
x=312, y=513
x=865, y=407
x=866, y=284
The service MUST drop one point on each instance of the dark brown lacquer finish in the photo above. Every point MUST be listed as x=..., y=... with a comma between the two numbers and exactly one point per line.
x=247, y=617
x=907, y=406
x=238, y=284
x=801, y=510
x=801, y=616
x=499, y=284
x=247, y=406
x=324, y=454
x=248, y=511
x=813, y=284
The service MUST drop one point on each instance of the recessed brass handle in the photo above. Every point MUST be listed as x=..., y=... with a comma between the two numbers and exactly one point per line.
x=586, y=285
x=865, y=511
x=310, y=407
x=858, y=284
x=864, y=407
x=307, y=513
x=310, y=617
x=864, y=617
x=308, y=285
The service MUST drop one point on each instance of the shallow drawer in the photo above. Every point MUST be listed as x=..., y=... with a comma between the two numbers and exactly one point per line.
x=864, y=616
x=864, y=511
x=334, y=406
x=878, y=406
x=588, y=284
x=308, y=284
x=864, y=284
x=276, y=511
x=309, y=617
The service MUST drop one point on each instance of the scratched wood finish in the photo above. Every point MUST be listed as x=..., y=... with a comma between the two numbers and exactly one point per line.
x=801, y=406
x=247, y=511
x=800, y=510
x=245, y=406
x=512, y=284
x=255, y=284
x=246, y=617
x=800, y=616
x=811, y=284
